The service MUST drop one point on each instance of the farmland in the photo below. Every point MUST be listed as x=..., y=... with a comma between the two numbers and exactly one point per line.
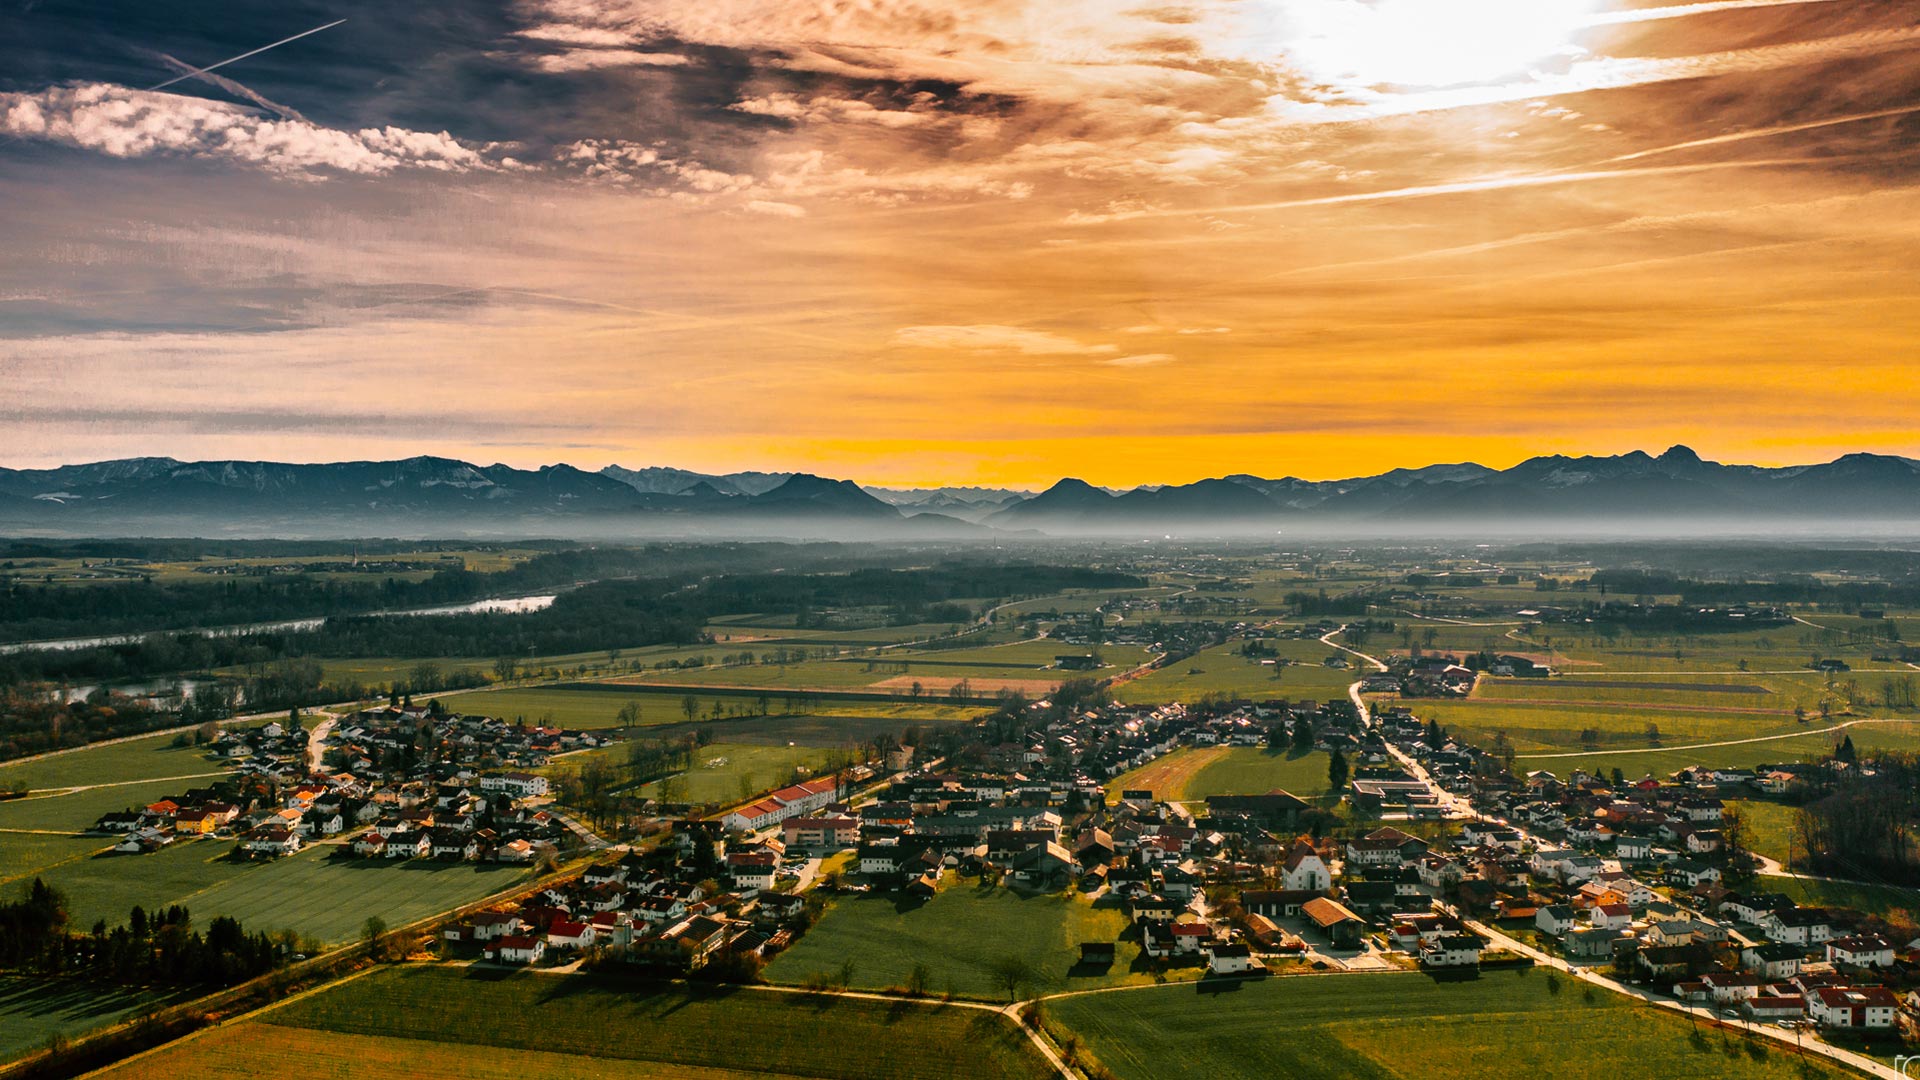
x=1404, y=1025
x=312, y=893
x=1222, y=670
x=1191, y=774
x=959, y=935
x=597, y=705
x=1794, y=746
x=34, y=1010
x=733, y=772
x=456, y=1022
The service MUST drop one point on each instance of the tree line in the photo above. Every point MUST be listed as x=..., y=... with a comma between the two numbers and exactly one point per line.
x=161, y=948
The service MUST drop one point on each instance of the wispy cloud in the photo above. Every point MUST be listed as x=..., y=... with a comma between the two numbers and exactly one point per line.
x=991, y=338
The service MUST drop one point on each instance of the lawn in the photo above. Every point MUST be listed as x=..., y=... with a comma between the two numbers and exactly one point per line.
x=1193, y=773
x=959, y=935
x=1891, y=902
x=1222, y=669
x=1406, y=1025
x=596, y=705
x=32, y=1011
x=1252, y=770
x=734, y=772
x=434, y=1021
x=137, y=759
x=76, y=811
x=1805, y=746
x=1767, y=825
x=325, y=898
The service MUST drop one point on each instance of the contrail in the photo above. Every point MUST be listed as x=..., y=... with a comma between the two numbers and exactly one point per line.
x=237, y=89
x=1763, y=133
x=1422, y=191
x=1681, y=11
x=236, y=59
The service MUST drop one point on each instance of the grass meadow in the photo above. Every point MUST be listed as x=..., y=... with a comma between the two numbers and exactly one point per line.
x=1406, y=1025
x=959, y=935
x=446, y=1022
x=1194, y=773
x=1222, y=670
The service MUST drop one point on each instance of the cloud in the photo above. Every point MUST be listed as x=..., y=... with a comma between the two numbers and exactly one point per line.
x=993, y=338
x=121, y=122
x=592, y=59
x=776, y=209
x=1141, y=360
x=785, y=106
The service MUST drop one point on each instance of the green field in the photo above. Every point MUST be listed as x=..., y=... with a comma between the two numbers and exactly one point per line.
x=959, y=935
x=1767, y=826
x=1222, y=670
x=727, y=773
x=322, y=897
x=1249, y=770
x=34, y=1010
x=1406, y=1025
x=1899, y=906
x=597, y=705
x=136, y=759
x=433, y=1022
x=1193, y=773
x=1809, y=746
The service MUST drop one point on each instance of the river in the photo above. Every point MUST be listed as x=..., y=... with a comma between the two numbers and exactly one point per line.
x=514, y=605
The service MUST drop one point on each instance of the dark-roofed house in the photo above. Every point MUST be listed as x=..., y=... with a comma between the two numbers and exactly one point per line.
x=1276, y=807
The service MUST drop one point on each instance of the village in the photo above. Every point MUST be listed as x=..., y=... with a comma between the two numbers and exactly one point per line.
x=399, y=782
x=1461, y=866
x=1423, y=852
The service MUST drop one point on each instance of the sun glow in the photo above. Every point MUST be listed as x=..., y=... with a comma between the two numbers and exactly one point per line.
x=1431, y=43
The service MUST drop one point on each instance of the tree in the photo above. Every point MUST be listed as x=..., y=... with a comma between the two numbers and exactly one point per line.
x=1303, y=735
x=1337, y=771
x=919, y=978
x=691, y=706
x=1010, y=973
x=374, y=929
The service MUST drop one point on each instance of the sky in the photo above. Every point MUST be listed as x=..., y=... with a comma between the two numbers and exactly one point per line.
x=922, y=242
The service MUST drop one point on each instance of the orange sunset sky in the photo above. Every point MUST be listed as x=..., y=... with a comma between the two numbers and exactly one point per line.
x=921, y=242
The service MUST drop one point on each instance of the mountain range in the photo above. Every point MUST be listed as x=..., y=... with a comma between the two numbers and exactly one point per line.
x=1675, y=494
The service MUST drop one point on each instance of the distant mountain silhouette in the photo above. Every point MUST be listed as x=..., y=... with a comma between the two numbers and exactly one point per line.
x=1675, y=493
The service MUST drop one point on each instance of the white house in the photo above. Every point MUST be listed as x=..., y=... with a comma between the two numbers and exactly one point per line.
x=1305, y=871
x=1853, y=1006
x=1555, y=920
x=569, y=934
x=1610, y=916
x=1798, y=926
x=1861, y=950
x=517, y=949
x=1452, y=950
x=520, y=785
x=1231, y=960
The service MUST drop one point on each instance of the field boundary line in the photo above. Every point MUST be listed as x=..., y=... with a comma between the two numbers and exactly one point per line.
x=224, y=1022
x=1729, y=742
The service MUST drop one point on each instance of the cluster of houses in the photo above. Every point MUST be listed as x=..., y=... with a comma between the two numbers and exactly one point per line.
x=392, y=783
x=695, y=900
x=1635, y=874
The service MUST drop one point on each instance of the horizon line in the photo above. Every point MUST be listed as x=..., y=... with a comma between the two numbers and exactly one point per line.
x=935, y=486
